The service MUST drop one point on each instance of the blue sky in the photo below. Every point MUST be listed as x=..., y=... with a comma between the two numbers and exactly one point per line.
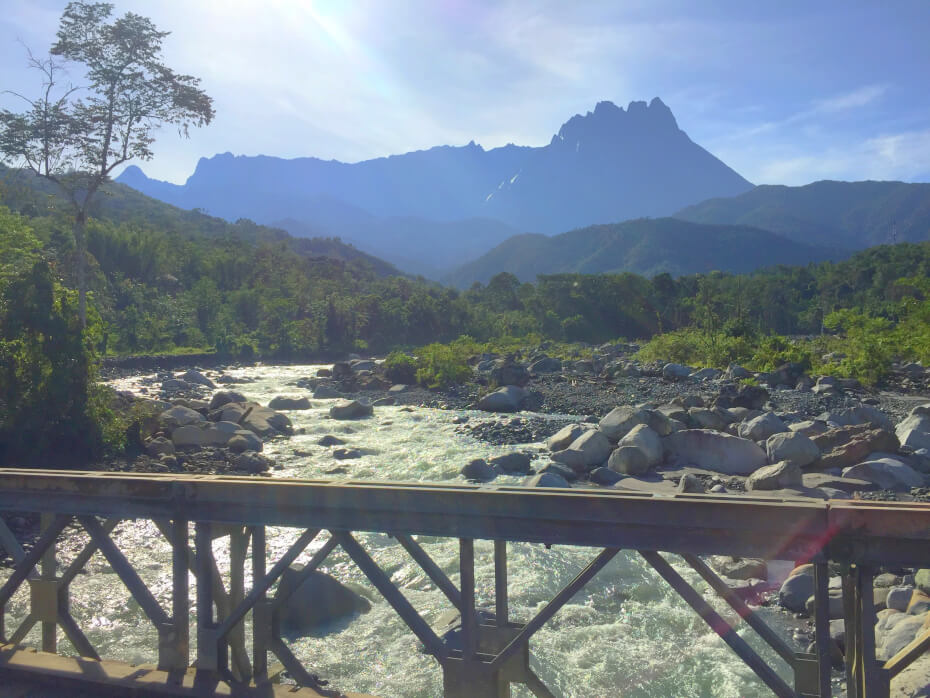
x=784, y=92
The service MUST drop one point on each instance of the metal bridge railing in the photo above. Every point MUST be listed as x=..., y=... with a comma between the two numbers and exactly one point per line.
x=494, y=649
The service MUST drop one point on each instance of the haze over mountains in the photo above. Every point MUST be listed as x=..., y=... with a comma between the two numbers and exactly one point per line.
x=462, y=214
x=608, y=165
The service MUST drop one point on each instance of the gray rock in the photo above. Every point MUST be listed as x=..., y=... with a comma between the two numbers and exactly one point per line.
x=647, y=441
x=362, y=365
x=563, y=438
x=604, y=476
x=690, y=484
x=887, y=473
x=264, y=421
x=900, y=634
x=594, y=446
x=660, y=423
x=251, y=462
x=808, y=428
x=783, y=475
x=560, y=470
x=706, y=374
x=224, y=397
x=546, y=365
x=506, y=399
x=512, y=463
x=914, y=430
x=547, y=479
x=350, y=409
x=479, y=470
x=762, y=427
x=860, y=414
x=326, y=392
x=244, y=440
x=398, y=388
x=676, y=372
x=346, y=454
x=282, y=402
x=190, y=436
x=618, y=422
x=179, y=416
x=899, y=597
x=922, y=580
x=330, y=440
x=797, y=589
x=718, y=489
x=628, y=460
x=793, y=447
x=740, y=567
x=508, y=372
x=174, y=385
x=159, y=446
x=704, y=418
x=737, y=372
x=197, y=378
x=835, y=605
x=317, y=601
x=712, y=450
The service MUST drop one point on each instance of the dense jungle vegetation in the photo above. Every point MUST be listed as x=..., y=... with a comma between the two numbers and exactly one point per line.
x=165, y=280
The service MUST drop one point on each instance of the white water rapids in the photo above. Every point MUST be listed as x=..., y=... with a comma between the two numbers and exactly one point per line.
x=625, y=634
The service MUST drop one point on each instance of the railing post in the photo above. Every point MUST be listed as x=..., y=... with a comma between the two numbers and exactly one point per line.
x=174, y=639
x=238, y=545
x=261, y=611
x=208, y=659
x=501, y=605
x=822, y=628
x=45, y=593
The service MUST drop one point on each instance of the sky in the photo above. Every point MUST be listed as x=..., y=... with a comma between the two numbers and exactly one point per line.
x=784, y=92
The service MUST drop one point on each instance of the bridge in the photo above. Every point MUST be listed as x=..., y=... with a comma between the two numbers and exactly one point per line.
x=493, y=650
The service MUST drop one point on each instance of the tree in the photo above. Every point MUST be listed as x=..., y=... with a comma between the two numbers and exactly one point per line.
x=77, y=136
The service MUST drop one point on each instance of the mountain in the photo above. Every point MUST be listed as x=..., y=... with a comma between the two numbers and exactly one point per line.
x=852, y=215
x=607, y=165
x=611, y=165
x=647, y=246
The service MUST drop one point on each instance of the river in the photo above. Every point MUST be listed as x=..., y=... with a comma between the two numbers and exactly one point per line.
x=625, y=634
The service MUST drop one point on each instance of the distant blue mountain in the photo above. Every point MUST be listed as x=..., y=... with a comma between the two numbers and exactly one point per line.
x=609, y=165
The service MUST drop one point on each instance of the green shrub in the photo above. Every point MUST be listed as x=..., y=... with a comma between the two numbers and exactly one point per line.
x=442, y=365
x=400, y=368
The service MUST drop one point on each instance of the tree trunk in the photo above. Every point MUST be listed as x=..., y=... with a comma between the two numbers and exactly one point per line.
x=80, y=243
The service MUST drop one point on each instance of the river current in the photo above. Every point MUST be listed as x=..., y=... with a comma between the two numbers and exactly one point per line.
x=625, y=634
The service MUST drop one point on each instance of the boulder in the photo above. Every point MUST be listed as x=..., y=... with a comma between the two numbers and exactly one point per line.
x=362, y=365
x=546, y=365
x=797, y=589
x=326, y=392
x=857, y=443
x=690, y=484
x=860, y=414
x=751, y=397
x=628, y=460
x=251, y=462
x=706, y=374
x=509, y=372
x=780, y=476
x=398, y=388
x=179, y=416
x=887, y=473
x=919, y=603
x=563, y=438
x=914, y=430
x=159, y=446
x=350, y=409
x=762, y=427
x=346, y=454
x=922, y=580
x=264, y=421
x=243, y=441
x=282, y=402
x=834, y=605
x=647, y=441
x=479, y=471
x=737, y=372
x=224, y=397
x=900, y=635
x=230, y=412
x=330, y=440
x=506, y=399
x=620, y=420
x=594, y=447
x=173, y=385
x=676, y=372
x=809, y=428
x=791, y=446
x=512, y=463
x=190, y=436
x=317, y=600
x=898, y=598
x=704, y=418
x=604, y=476
x=197, y=378
x=547, y=479
x=560, y=470
x=660, y=423
x=712, y=450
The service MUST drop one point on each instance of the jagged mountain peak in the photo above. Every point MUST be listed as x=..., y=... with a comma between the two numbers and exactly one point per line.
x=608, y=121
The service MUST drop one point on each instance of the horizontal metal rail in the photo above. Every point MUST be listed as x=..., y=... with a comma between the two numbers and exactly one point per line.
x=493, y=653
